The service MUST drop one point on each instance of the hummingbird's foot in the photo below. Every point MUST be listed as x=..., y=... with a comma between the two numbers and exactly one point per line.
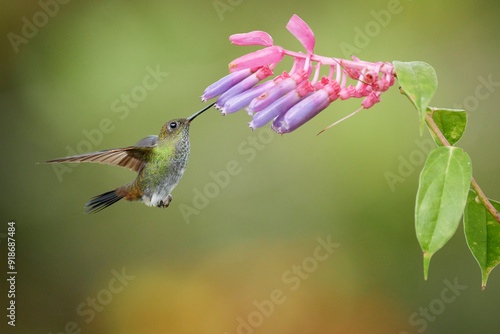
x=165, y=204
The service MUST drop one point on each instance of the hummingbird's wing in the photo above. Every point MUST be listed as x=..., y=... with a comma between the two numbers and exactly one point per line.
x=130, y=157
x=148, y=141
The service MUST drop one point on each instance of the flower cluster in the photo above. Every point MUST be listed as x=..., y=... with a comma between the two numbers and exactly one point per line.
x=294, y=97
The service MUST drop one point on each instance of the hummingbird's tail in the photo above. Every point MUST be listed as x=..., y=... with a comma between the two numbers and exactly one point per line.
x=102, y=201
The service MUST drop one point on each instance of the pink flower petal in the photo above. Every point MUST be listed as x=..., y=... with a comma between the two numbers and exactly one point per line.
x=252, y=38
x=302, y=32
x=371, y=99
x=269, y=55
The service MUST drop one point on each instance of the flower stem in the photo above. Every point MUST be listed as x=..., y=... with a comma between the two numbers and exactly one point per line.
x=482, y=197
x=386, y=68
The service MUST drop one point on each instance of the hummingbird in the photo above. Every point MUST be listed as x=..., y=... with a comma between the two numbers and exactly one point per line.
x=160, y=162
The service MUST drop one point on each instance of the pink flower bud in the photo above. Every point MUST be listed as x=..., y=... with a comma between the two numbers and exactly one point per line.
x=269, y=55
x=252, y=38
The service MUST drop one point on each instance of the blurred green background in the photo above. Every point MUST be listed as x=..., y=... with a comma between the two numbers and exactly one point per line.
x=242, y=244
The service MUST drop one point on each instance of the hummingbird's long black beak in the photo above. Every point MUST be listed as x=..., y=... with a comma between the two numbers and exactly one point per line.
x=190, y=119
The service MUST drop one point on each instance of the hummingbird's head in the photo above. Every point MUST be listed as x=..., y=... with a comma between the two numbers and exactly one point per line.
x=179, y=127
x=175, y=128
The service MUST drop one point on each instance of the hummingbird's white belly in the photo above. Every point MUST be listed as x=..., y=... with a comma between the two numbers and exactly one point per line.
x=160, y=196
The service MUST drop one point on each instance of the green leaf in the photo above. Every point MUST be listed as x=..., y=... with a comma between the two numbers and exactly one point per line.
x=451, y=123
x=442, y=193
x=418, y=82
x=483, y=234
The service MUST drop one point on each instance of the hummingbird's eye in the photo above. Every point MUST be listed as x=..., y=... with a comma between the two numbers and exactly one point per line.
x=173, y=125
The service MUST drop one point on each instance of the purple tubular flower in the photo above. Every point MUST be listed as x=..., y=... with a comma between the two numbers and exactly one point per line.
x=280, y=89
x=281, y=105
x=306, y=109
x=225, y=83
x=301, y=112
x=241, y=100
x=283, y=87
x=244, y=85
